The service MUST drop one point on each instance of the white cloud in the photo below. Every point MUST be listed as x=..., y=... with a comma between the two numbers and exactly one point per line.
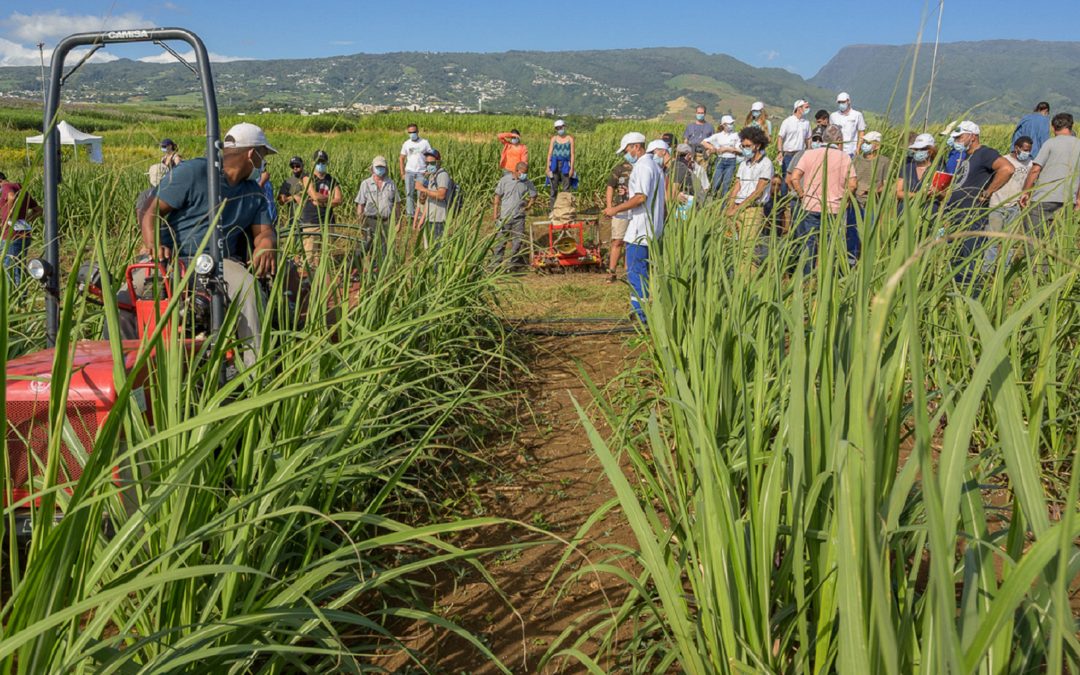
x=15, y=54
x=46, y=26
x=342, y=42
x=189, y=56
x=770, y=55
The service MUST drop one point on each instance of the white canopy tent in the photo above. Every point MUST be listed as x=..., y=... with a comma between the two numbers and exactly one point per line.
x=69, y=135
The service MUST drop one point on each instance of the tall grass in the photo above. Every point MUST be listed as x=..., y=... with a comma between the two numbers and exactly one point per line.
x=266, y=525
x=866, y=469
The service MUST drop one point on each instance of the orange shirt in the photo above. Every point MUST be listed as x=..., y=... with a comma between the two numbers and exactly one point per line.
x=511, y=153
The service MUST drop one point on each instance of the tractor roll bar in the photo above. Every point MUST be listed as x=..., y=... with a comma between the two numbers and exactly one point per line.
x=52, y=155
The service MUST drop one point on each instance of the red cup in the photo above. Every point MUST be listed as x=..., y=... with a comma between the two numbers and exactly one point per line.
x=941, y=181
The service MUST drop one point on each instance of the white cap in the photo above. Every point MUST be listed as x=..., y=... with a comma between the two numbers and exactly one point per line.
x=247, y=135
x=378, y=160
x=843, y=96
x=758, y=105
x=966, y=127
x=658, y=145
x=630, y=139
x=872, y=137
x=559, y=123
x=727, y=119
x=922, y=142
x=798, y=104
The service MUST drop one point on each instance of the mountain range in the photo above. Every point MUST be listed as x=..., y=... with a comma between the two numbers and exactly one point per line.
x=996, y=80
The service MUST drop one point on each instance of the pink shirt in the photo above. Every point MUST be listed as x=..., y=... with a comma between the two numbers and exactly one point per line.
x=825, y=175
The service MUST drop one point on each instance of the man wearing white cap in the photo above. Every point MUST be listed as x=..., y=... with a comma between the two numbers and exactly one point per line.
x=645, y=208
x=793, y=138
x=245, y=227
x=377, y=204
x=850, y=121
x=724, y=144
x=871, y=167
x=978, y=177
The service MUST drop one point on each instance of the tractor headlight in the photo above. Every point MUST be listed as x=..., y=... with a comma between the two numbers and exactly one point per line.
x=38, y=269
x=204, y=264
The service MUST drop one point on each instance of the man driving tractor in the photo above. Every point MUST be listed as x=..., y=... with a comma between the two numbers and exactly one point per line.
x=175, y=225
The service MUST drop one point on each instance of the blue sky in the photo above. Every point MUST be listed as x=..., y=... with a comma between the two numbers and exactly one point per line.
x=793, y=35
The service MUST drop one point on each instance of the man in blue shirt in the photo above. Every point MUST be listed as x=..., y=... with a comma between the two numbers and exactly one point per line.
x=175, y=224
x=1035, y=126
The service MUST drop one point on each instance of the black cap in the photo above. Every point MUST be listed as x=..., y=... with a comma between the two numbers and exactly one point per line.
x=296, y=161
x=321, y=156
x=165, y=142
x=433, y=153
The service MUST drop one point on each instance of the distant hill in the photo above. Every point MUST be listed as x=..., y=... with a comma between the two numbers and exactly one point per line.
x=998, y=80
x=609, y=83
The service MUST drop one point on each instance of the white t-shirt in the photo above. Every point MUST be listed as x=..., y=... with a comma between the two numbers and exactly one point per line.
x=794, y=133
x=413, y=152
x=748, y=174
x=851, y=123
x=724, y=139
x=647, y=220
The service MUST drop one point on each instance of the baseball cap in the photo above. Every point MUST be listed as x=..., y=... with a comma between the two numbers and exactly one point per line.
x=379, y=160
x=165, y=142
x=798, y=104
x=727, y=119
x=630, y=139
x=296, y=161
x=758, y=105
x=843, y=96
x=320, y=156
x=657, y=145
x=559, y=123
x=683, y=149
x=967, y=127
x=247, y=135
x=872, y=137
x=433, y=153
x=922, y=141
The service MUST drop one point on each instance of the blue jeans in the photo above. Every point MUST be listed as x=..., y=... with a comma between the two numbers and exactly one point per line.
x=722, y=177
x=809, y=229
x=410, y=191
x=637, y=274
x=14, y=251
x=785, y=166
x=851, y=233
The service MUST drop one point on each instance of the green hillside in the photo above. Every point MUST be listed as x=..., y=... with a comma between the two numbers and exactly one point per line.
x=996, y=80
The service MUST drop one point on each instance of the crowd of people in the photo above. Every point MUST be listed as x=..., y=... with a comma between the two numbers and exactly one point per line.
x=829, y=164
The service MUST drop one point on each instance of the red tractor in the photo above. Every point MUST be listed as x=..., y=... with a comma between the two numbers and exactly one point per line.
x=92, y=389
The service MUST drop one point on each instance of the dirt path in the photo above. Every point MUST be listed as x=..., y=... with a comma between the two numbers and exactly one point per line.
x=554, y=482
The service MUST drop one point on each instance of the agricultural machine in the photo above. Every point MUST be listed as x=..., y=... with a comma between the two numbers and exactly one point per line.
x=567, y=247
x=93, y=390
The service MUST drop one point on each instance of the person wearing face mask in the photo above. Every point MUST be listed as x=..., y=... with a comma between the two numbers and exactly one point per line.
x=616, y=193
x=698, y=130
x=660, y=153
x=322, y=194
x=411, y=165
x=913, y=176
x=1004, y=204
x=514, y=193
x=1054, y=180
x=176, y=223
x=850, y=121
x=513, y=151
x=560, y=160
x=759, y=117
x=291, y=192
x=871, y=167
x=725, y=145
x=377, y=204
x=792, y=138
x=753, y=183
x=645, y=207
x=436, y=189
x=170, y=156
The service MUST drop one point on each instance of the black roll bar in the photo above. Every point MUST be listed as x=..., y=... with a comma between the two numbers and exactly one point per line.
x=52, y=156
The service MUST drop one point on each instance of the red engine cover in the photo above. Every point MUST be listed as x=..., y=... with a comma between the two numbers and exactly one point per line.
x=91, y=395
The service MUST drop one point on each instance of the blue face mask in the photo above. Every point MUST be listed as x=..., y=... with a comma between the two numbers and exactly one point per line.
x=523, y=177
x=755, y=114
x=700, y=117
x=380, y=171
x=561, y=132
x=430, y=168
x=748, y=152
x=630, y=158
x=844, y=107
x=920, y=155
x=867, y=148
x=414, y=136
x=815, y=145
x=1023, y=156
x=320, y=168
x=658, y=160
x=959, y=147
x=515, y=140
